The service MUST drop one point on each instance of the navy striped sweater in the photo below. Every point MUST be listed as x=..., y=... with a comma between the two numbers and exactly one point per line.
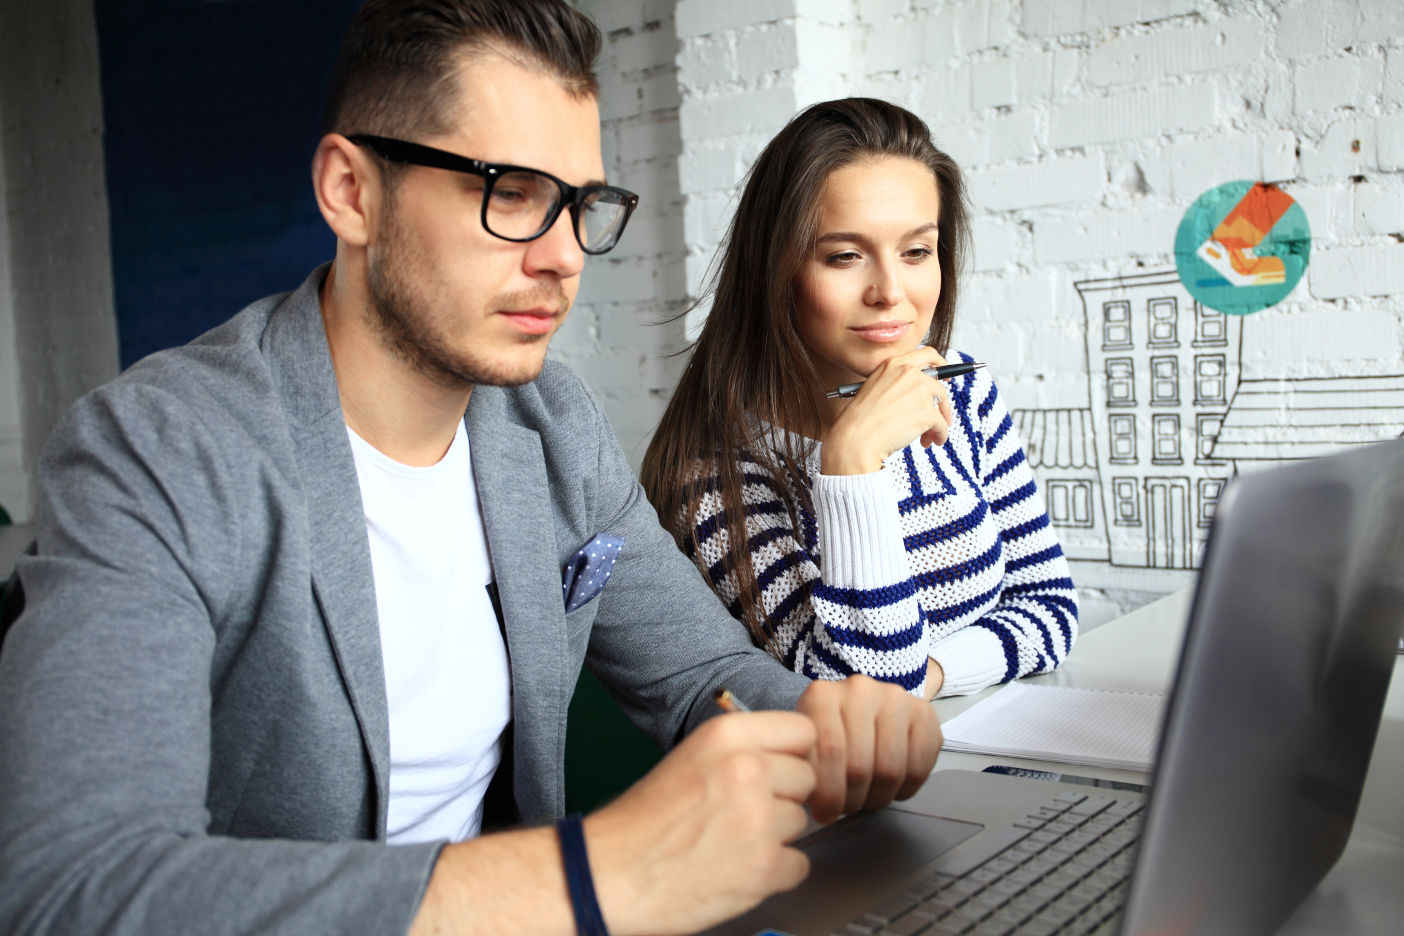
x=945, y=552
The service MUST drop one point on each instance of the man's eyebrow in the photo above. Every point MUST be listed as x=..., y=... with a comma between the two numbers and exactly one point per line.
x=840, y=236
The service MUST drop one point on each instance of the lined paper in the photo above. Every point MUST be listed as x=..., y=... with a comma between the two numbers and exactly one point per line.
x=1097, y=727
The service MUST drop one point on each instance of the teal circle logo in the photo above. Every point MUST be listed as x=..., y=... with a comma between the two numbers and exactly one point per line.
x=1242, y=247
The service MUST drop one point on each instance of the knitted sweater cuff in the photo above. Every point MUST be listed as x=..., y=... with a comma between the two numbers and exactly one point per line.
x=972, y=658
x=860, y=530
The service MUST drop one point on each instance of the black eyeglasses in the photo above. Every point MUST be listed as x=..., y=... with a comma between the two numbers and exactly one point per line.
x=521, y=204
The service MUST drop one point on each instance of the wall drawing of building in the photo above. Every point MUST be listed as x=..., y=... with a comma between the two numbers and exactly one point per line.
x=1285, y=419
x=1132, y=480
x=1162, y=369
x=1061, y=448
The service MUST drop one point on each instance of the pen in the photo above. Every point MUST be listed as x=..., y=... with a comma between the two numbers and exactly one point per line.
x=944, y=372
x=729, y=703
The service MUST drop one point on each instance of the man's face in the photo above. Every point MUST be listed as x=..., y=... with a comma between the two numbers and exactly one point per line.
x=460, y=304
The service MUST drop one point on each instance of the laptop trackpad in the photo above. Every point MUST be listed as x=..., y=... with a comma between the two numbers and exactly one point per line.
x=855, y=865
x=874, y=847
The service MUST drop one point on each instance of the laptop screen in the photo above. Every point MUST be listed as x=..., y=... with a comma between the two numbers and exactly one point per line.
x=1261, y=766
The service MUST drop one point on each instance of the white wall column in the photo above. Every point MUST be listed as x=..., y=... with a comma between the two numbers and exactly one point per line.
x=58, y=334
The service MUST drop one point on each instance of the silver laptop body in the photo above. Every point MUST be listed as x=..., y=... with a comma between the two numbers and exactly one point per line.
x=1267, y=737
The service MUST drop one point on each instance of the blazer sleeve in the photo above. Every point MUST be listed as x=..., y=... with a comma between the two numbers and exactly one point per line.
x=105, y=700
x=661, y=641
x=836, y=588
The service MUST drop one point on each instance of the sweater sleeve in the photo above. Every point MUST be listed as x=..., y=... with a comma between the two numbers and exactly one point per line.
x=837, y=592
x=1033, y=623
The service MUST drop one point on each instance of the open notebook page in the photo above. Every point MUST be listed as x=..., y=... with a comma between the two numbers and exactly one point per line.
x=1099, y=727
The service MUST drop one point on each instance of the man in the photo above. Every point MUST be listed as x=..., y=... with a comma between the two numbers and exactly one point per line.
x=259, y=683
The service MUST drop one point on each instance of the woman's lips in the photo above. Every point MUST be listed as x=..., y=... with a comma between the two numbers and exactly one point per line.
x=882, y=332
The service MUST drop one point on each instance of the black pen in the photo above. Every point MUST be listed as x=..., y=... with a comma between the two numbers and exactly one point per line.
x=944, y=372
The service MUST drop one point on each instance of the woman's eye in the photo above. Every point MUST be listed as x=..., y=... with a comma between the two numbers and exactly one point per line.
x=845, y=258
x=918, y=254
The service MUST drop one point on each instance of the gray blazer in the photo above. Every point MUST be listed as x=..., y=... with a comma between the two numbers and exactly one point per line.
x=193, y=724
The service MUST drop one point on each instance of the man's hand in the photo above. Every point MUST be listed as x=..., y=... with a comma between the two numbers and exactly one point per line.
x=704, y=836
x=875, y=743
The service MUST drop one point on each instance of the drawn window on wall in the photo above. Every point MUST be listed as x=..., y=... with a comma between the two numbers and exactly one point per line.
x=1121, y=382
x=1210, y=327
x=1123, y=438
x=1116, y=325
x=1207, y=430
x=1165, y=381
x=1070, y=502
x=1164, y=322
x=1210, y=380
x=1127, y=497
x=1209, y=491
x=1165, y=439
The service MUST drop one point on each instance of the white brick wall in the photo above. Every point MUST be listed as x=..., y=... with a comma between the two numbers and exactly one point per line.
x=1078, y=179
x=1348, y=81
x=1140, y=57
x=616, y=336
x=1086, y=127
x=1363, y=271
x=1058, y=17
x=1130, y=116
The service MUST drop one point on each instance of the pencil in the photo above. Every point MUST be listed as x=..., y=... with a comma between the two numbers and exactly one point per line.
x=728, y=702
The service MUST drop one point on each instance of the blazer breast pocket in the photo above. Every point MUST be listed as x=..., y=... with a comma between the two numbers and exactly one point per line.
x=587, y=573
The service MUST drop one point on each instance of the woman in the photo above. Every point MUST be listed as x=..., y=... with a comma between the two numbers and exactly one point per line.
x=897, y=533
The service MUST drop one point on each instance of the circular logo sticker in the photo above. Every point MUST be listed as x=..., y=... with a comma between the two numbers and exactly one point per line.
x=1242, y=247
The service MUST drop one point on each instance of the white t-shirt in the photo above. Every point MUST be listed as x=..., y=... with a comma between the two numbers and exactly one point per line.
x=446, y=669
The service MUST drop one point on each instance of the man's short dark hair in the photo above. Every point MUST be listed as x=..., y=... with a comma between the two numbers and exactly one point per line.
x=397, y=74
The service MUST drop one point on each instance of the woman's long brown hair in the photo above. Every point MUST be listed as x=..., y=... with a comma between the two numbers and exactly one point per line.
x=749, y=368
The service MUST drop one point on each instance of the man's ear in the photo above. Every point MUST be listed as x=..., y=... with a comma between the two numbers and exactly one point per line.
x=348, y=189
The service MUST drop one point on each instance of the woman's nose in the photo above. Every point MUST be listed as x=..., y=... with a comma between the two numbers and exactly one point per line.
x=885, y=289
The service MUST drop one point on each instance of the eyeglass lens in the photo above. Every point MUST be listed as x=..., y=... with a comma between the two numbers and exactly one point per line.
x=523, y=202
x=602, y=215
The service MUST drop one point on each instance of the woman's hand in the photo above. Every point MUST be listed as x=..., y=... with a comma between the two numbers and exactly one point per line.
x=896, y=404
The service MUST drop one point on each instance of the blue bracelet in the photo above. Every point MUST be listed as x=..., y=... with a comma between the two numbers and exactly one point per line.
x=588, y=919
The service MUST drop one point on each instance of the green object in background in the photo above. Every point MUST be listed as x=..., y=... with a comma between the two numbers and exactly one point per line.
x=4, y=516
x=604, y=753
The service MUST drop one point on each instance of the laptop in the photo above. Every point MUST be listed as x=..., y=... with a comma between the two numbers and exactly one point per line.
x=1263, y=753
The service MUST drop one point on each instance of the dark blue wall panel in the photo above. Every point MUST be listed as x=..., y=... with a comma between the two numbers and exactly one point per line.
x=212, y=112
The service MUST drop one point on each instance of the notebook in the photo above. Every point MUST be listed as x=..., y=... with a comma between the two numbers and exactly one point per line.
x=1097, y=727
x=1265, y=743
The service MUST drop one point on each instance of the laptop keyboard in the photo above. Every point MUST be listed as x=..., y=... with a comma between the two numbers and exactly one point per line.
x=1065, y=873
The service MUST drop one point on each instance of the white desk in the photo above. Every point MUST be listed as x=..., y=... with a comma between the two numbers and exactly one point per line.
x=1364, y=893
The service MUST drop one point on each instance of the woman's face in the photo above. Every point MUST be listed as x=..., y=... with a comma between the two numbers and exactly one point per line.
x=868, y=289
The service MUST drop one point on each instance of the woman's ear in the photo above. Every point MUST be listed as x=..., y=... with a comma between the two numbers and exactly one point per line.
x=348, y=188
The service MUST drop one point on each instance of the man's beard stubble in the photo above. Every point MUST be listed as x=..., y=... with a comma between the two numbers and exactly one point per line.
x=400, y=315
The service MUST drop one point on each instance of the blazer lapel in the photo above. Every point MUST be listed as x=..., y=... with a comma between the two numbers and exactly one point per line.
x=513, y=489
x=342, y=579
